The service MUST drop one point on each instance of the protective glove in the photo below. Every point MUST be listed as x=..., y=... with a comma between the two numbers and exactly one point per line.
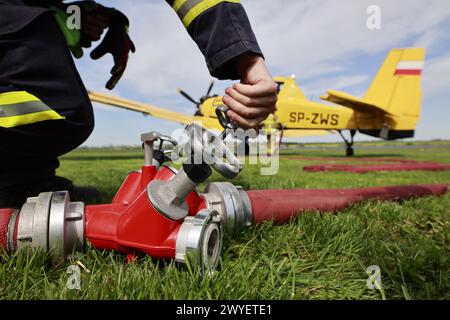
x=95, y=18
x=118, y=43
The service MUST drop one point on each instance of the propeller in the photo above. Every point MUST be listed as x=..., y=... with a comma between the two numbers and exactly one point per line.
x=210, y=88
x=184, y=94
x=202, y=99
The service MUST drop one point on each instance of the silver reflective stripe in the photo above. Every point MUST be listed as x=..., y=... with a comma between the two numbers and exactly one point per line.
x=18, y=109
x=186, y=7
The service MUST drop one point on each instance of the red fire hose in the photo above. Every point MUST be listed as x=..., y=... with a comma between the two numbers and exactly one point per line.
x=364, y=168
x=5, y=218
x=282, y=205
x=358, y=159
x=239, y=208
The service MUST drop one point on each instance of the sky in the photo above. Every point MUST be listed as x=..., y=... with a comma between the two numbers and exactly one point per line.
x=325, y=43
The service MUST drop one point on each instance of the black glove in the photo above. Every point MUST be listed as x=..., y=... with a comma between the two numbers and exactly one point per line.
x=118, y=43
x=94, y=19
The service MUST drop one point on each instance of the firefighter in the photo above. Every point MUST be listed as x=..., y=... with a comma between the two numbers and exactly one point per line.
x=45, y=111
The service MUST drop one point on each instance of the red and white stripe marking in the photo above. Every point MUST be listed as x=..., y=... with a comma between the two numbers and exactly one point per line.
x=412, y=68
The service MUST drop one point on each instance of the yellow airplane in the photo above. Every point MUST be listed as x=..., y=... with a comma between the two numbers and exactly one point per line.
x=205, y=111
x=389, y=110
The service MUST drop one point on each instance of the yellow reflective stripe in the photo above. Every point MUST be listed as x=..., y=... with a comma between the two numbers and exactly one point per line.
x=177, y=4
x=16, y=97
x=30, y=118
x=20, y=108
x=200, y=8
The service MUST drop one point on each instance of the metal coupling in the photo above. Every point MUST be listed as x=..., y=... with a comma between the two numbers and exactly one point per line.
x=199, y=240
x=169, y=197
x=155, y=157
x=52, y=223
x=232, y=203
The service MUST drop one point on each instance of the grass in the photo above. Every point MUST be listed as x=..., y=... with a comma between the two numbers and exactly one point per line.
x=313, y=257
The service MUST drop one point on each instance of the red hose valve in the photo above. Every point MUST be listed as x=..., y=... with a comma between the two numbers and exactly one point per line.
x=156, y=211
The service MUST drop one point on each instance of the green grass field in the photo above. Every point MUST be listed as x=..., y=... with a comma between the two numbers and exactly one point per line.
x=314, y=257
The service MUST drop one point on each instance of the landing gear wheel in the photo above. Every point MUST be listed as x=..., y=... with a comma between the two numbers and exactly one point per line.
x=350, y=152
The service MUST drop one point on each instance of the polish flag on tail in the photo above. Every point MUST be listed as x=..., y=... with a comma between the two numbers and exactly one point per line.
x=409, y=68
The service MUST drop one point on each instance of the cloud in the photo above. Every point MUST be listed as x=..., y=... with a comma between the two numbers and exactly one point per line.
x=166, y=57
x=436, y=78
x=311, y=38
x=305, y=35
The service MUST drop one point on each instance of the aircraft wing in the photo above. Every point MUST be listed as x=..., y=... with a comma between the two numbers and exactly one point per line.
x=347, y=100
x=157, y=112
x=161, y=113
x=148, y=109
x=297, y=133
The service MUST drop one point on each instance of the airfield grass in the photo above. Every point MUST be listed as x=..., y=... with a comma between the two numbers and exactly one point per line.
x=314, y=257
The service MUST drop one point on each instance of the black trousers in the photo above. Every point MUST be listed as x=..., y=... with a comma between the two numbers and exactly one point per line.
x=36, y=59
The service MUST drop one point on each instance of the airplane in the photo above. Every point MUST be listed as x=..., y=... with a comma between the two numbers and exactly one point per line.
x=389, y=110
x=206, y=113
x=205, y=109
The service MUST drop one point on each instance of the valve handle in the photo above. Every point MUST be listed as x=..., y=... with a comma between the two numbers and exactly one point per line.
x=159, y=155
x=163, y=138
x=153, y=136
x=150, y=154
x=225, y=122
x=225, y=163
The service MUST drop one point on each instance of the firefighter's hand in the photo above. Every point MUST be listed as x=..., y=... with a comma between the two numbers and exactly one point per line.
x=254, y=99
x=95, y=18
x=92, y=27
x=118, y=43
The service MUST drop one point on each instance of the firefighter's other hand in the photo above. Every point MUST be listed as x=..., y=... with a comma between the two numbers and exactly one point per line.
x=95, y=18
x=254, y=99
x=92, y=27
x=118, y=43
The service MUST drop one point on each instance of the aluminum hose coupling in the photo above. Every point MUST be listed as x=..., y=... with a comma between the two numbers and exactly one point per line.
x=199, y=241
x=49, y=222
x=232, y=203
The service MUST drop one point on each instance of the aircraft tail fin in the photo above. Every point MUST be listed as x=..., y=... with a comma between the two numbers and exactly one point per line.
x=396, y=88
x=395, y=93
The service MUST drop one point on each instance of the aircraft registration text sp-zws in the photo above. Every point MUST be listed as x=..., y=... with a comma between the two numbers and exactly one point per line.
x=314, y=118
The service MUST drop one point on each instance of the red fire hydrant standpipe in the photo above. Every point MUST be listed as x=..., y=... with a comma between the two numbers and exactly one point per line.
x=157, y=211
x=130, y=224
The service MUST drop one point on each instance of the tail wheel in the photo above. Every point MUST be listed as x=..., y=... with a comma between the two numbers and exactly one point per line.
x=350, y=152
